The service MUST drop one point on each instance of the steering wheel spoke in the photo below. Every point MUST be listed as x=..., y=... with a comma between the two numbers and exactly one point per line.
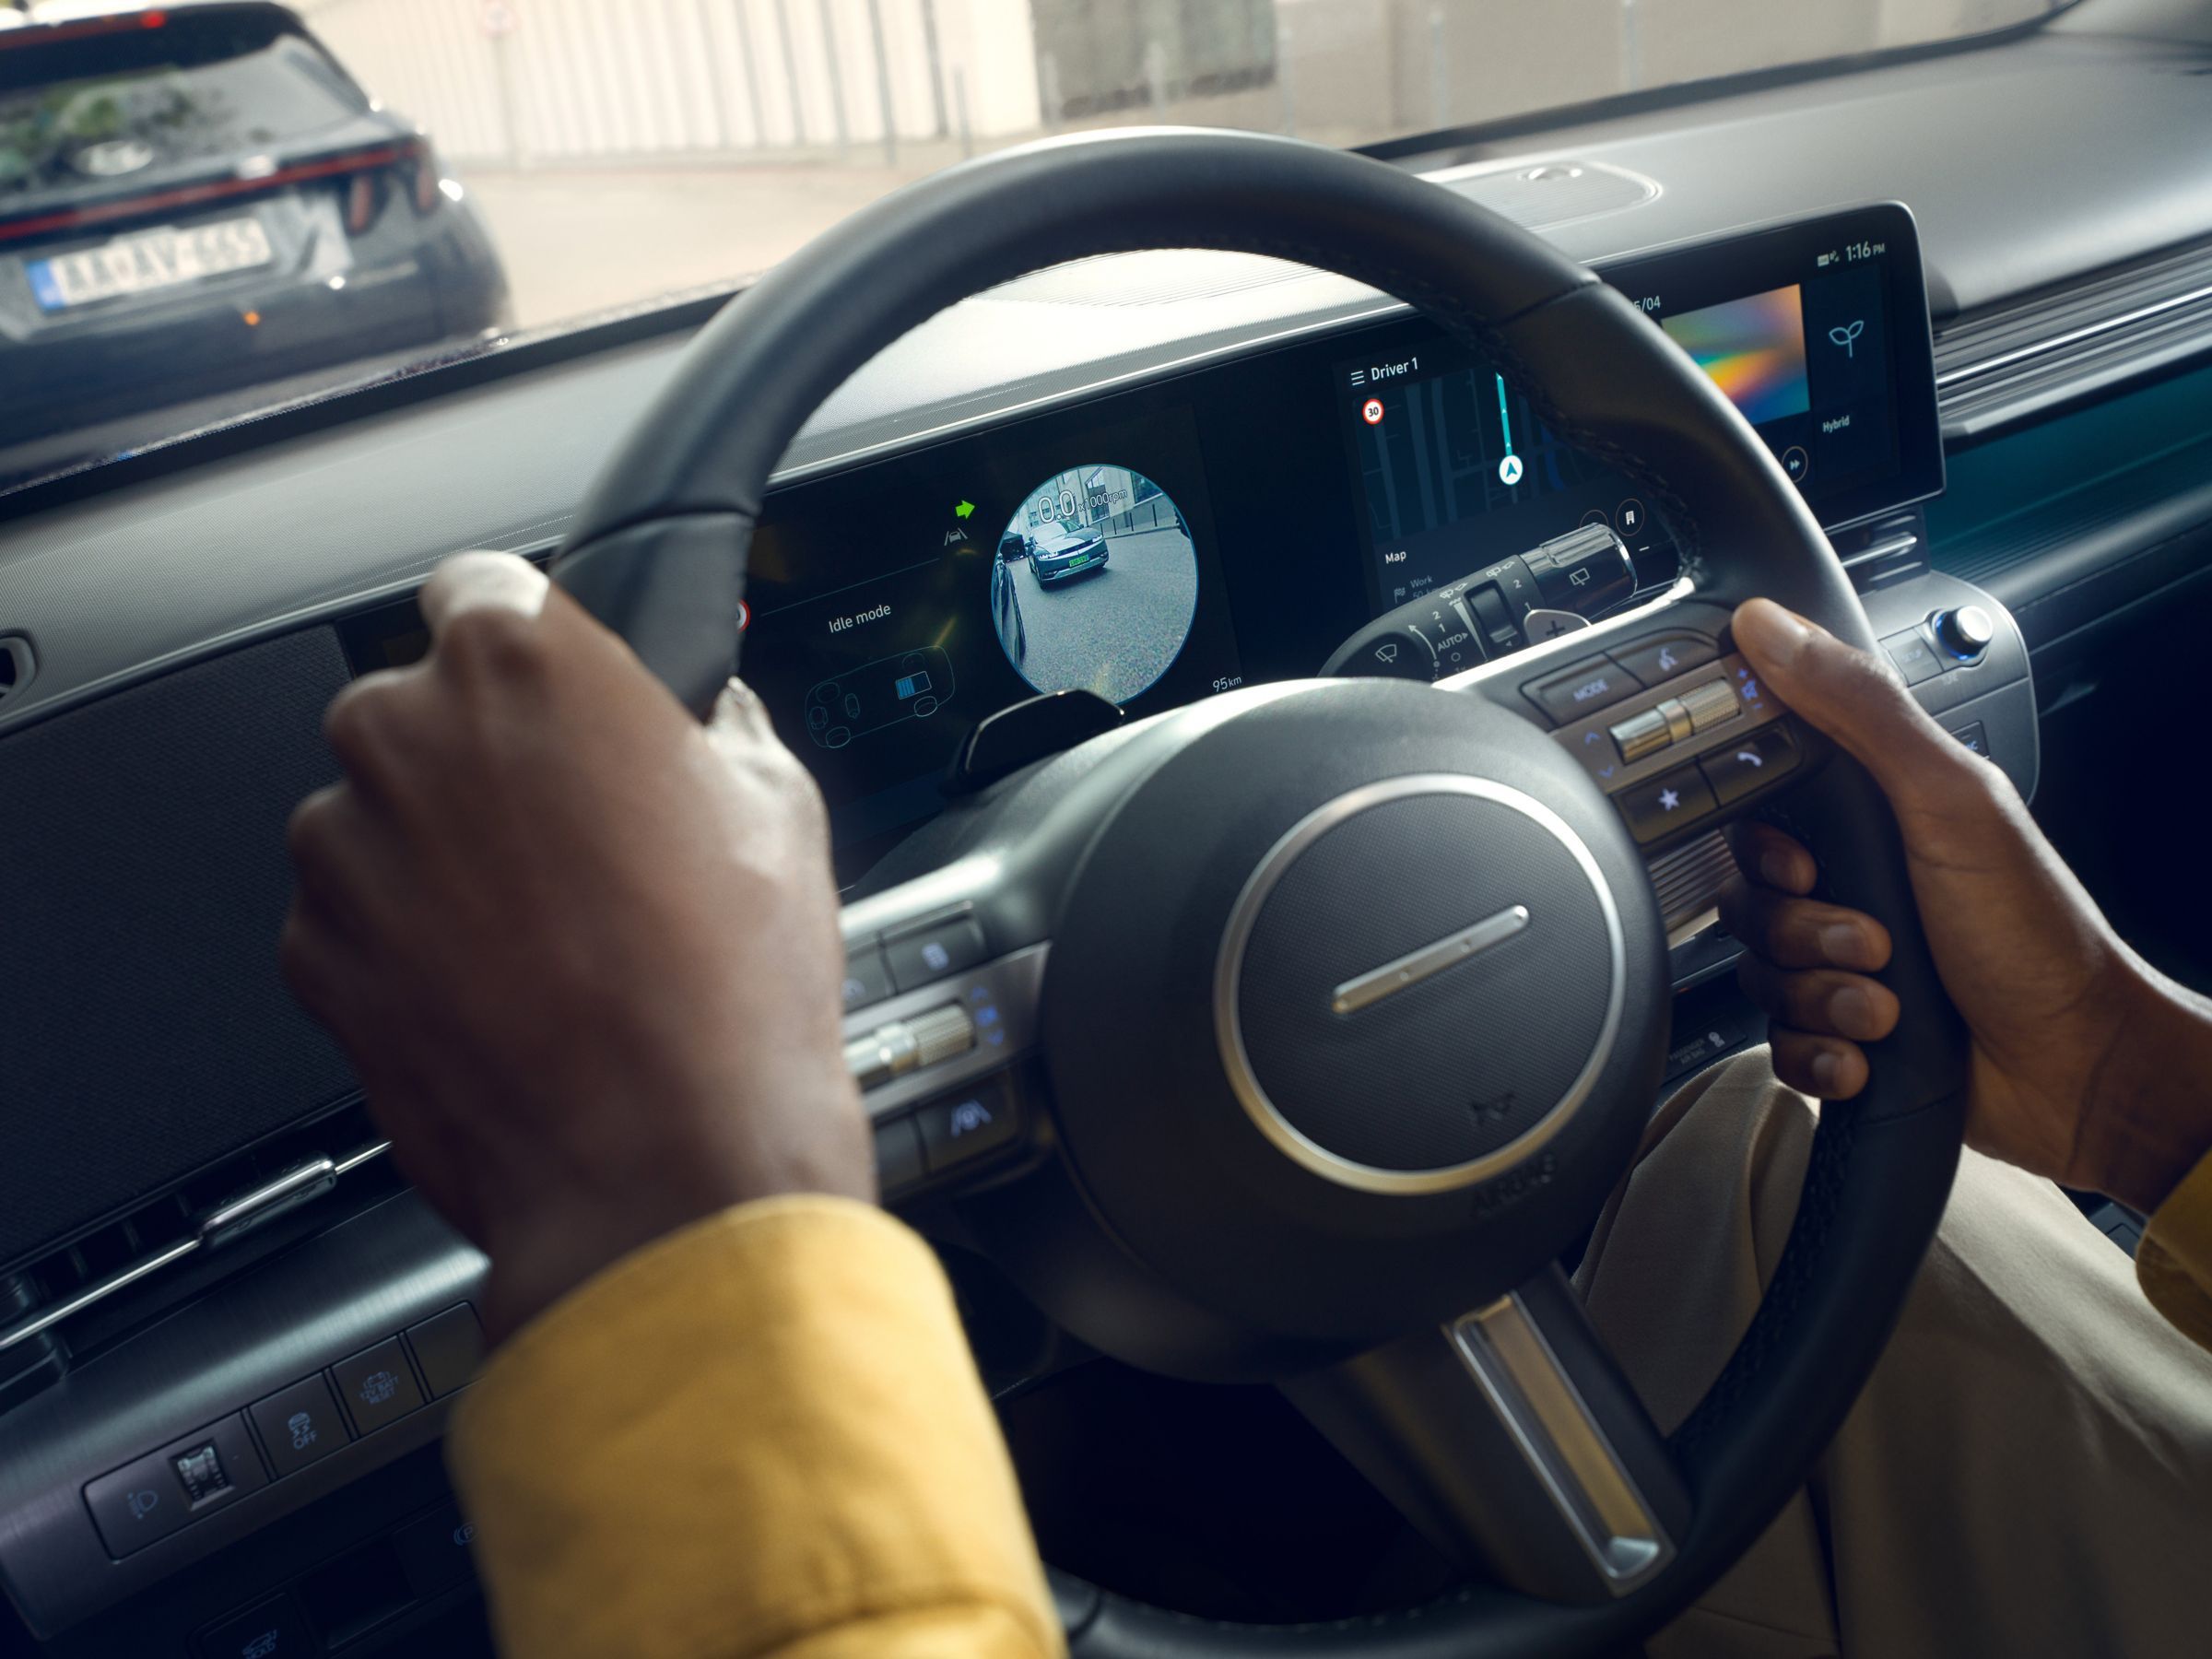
x=1511, y=1439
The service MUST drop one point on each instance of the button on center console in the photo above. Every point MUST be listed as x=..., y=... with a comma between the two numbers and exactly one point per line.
x=299, y=1424
x=146, y=1500
x=378, y=1384
x=274, y=1630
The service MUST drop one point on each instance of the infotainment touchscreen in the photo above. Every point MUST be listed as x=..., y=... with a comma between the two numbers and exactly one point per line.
x=1818, y=330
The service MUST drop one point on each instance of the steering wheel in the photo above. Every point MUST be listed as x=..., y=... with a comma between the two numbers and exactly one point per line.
x=1278, y=1142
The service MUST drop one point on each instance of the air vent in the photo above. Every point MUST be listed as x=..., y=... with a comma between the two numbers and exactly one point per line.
x=142, y=1252
x=2009, y=362
x=16, y=665
x=1536, y=195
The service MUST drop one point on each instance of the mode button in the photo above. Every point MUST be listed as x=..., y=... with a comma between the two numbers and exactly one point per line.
x=1591, y=684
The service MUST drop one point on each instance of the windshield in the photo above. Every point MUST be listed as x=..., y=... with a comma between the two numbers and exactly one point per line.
x=204, y=215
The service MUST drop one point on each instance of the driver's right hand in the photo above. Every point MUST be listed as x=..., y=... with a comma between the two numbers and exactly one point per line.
x=2087, y=1064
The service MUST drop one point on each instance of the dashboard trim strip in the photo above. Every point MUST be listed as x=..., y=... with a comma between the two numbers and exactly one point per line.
x=1968, y=372
x=295, y=1186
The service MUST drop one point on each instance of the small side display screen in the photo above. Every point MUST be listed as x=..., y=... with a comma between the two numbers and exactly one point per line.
x=1816, y=331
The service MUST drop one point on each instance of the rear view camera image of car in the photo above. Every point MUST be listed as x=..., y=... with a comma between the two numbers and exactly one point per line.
x=1095, y=584
x=913, y=685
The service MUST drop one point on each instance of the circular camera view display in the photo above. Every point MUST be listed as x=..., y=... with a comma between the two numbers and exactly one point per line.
x=1095, y=584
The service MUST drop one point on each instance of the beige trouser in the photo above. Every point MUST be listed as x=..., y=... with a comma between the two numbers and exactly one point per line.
x=2029, y=1471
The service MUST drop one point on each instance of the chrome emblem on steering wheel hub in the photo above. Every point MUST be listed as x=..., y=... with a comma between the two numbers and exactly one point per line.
x=1421, y=983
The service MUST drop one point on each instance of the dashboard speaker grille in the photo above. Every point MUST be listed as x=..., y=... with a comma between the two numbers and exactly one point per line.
x=146, y=830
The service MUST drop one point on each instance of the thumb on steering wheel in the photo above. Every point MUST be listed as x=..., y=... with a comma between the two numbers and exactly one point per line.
x=1856, y=699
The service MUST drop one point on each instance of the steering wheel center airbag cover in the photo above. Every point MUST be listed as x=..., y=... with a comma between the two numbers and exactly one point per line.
x=1314, y=1177
x=1420, y=983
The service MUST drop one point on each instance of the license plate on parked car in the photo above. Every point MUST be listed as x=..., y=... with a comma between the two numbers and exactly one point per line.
x=148, y=260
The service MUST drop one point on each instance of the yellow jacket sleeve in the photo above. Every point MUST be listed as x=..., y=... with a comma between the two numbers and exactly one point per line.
x=761, y=1435
x=2173, y=1264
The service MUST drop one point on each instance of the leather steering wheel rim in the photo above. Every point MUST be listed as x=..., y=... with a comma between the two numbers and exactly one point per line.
x=659, y=555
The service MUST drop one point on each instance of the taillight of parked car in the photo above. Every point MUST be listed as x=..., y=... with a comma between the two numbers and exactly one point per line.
x=409, y=169
x=426, y=192
x=364, y=195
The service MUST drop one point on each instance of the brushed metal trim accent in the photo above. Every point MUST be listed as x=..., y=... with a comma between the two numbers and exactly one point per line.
x=298, y=1185
x=294, y=1186
x=1513, y=1363
x=1948, y=379
x=1228, y=965
x=46, y=1318
x=1875, y=551
x=1402, y=972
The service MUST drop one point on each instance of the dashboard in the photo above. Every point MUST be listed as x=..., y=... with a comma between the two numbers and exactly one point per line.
x=1250, y=521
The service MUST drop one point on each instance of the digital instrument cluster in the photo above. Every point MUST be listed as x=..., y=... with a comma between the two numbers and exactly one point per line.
x=1378, y=501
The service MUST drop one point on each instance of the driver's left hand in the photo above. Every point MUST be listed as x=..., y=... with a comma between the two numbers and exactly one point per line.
x=583, y=951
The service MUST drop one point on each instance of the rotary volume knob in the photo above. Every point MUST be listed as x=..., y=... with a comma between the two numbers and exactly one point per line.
x=1965, y=633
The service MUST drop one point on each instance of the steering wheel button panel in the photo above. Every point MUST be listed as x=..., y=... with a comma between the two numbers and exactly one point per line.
x=1739, y=769
x=1590, y=684
x=1710, y=704
x=1641, y=734
x=899, y=1167
x=1661, y=727
x=1666, y=803
x=1658, y=661
x=960, y=1131
x=867, y=976
x=905, y=1045
x=933, y=950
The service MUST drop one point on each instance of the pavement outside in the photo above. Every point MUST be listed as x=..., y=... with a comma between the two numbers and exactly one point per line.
x=1114, y=630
